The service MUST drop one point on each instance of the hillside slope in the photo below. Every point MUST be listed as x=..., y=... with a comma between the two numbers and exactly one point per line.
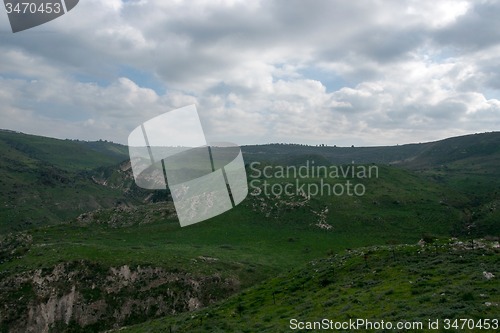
x=46, y=181
x=69, y=155
x=414, y=156
x=118, y=256
x=145, y=251
x=409, y=284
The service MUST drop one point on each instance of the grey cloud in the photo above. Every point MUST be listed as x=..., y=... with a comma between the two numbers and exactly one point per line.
x=492, y=75
x=388, y=44
x=477, y=29
x=228, y=59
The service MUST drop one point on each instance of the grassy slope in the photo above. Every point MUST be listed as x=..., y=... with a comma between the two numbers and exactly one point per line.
x=278, y=232
x=470, y=165
x=257, y=240
x=414, y=156
x=399, y=283
x=46, y=181
x=64, y=154
x=466, y=164
x=287, y=154
x=253, y=242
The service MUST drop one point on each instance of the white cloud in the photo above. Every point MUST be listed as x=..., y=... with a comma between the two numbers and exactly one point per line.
x=412, y=70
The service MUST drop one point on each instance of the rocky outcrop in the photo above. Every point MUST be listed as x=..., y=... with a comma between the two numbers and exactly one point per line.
x=14, y=246
x=86, y=295
x=124, y=216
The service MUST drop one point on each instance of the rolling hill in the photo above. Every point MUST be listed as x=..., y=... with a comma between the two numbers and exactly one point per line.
x=83, y=249
x=46, y=181
x=356, y=290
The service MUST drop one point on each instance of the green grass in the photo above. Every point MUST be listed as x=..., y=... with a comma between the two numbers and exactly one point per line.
x=262, y=237
x=266, y=243
x=278, y=233
x=46, y=181
x=232, y=238
x=64, y=154
x=400, y=283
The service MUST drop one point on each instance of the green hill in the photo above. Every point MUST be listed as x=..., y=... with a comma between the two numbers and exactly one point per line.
x=463, y=148
x=284, y=153
x=67, y=155
x=83, y=249
x=400, y=285
x=46, y=181
x=261, y=238
x=484, y=146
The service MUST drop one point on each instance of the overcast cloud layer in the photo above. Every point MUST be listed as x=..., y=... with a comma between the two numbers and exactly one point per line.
x=334, y=72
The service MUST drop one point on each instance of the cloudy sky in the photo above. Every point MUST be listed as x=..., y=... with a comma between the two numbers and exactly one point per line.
x=334, y=72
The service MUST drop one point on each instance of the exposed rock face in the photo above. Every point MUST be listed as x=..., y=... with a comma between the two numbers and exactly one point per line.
x=42, y=316
x=127, y=216
x=83, y=294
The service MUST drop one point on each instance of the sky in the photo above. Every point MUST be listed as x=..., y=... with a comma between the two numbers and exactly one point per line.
x=343, y=73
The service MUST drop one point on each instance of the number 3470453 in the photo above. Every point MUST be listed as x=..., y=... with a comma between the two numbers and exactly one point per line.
x=33, y=8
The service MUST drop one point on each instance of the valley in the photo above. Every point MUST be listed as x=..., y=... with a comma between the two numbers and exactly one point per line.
x=82, y=249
